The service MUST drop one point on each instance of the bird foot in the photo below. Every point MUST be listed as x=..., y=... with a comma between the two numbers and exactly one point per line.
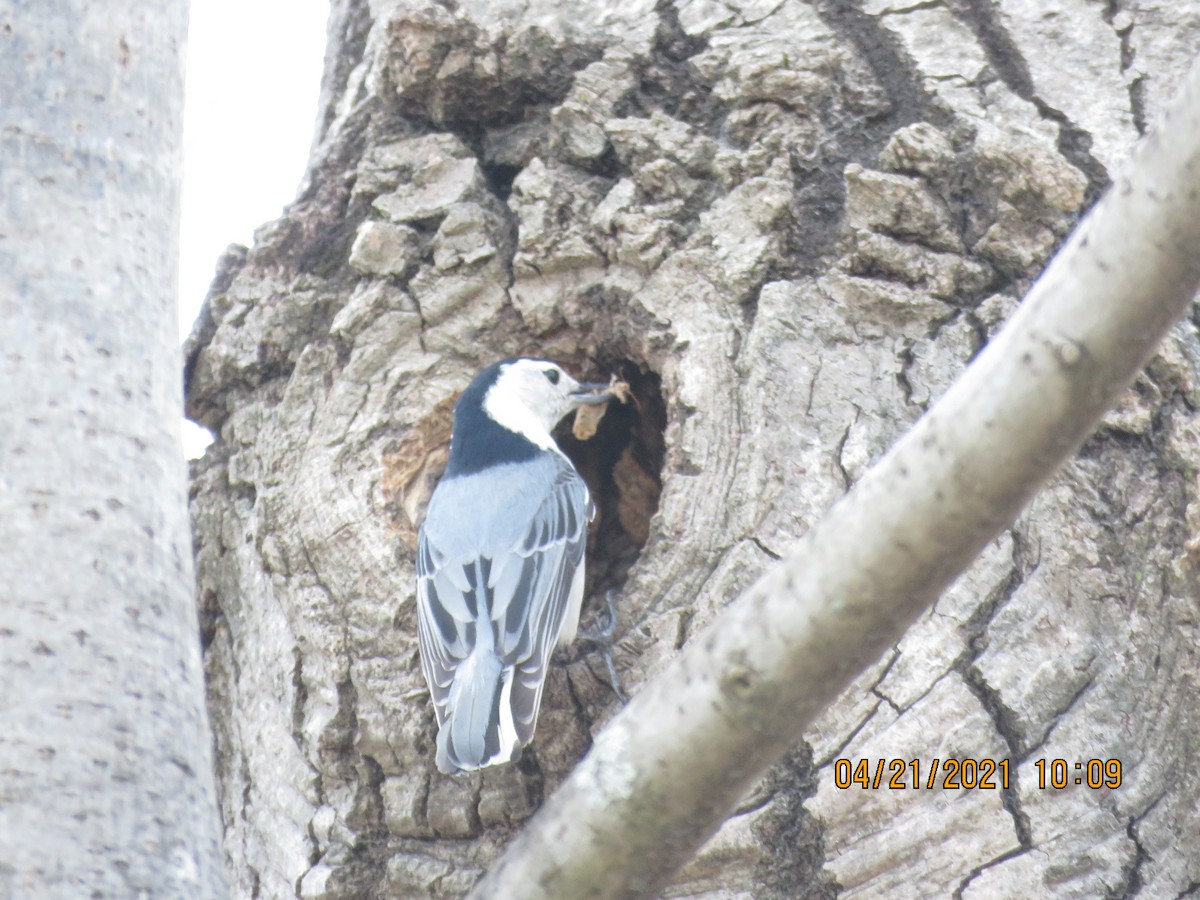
x=603, y=638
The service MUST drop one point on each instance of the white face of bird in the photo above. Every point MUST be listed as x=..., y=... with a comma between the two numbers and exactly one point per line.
x=530, y=396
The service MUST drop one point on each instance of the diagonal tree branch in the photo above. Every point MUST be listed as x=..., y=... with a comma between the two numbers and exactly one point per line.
x=667, y=770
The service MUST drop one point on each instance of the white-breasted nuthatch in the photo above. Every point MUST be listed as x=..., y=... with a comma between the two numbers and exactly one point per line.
x=500, y=560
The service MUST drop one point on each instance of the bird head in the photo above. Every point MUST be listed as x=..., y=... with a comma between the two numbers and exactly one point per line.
x=530, y=396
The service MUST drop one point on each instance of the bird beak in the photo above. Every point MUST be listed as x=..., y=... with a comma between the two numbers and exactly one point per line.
x=586, y=395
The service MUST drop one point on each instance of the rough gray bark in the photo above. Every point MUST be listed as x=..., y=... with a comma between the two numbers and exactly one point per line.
x=107, y=786
x=791, y=224
x=667, y=771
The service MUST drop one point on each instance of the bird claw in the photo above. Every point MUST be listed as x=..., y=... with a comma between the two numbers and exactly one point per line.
x=605, y=633
x=603, y=637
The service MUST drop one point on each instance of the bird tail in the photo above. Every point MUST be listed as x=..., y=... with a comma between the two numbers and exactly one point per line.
x=478, y=729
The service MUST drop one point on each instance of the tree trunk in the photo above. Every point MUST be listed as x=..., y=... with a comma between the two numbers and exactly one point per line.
x=107, y=785
x=789, y=226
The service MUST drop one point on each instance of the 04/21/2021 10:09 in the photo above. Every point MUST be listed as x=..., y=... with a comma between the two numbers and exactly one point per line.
x=971, y=774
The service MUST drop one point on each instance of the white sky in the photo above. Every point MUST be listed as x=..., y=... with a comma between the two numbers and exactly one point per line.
x=253, y=75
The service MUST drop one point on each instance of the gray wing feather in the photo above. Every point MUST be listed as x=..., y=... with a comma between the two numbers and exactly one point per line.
x=439, y=632
x=556, y=583
x=529, y=588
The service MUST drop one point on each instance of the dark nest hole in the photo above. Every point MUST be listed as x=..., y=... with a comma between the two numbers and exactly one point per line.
x=622, y=465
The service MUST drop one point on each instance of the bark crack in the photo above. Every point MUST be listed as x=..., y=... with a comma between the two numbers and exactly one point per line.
x=1003, y=718
x=666, y=81
x=1057, y=716
x=895, y=71
x=929, y=690
x=299, y=697
x=888, y=700
x=906, y=360
x=916, y=7
x=1137, y=87
x=1132, y=874
x=887, y=668
x=812, y=386
x=757, y=542
x=837, y=751
x=683, y=627
x=1006, y=59
x=1137, y=104
x=1131, y=881
x=1005, y=723
x=983, y=615
x=847, y=481
x=772, y=11
x=423, y=325
x=983, y=867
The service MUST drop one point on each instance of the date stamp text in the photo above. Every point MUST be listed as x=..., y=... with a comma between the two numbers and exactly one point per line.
x=971, y=774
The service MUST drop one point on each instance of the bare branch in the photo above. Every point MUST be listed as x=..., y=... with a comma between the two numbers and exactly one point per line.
x=665, y=773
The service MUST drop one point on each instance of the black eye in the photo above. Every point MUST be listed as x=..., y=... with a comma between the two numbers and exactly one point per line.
x=551, y=375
